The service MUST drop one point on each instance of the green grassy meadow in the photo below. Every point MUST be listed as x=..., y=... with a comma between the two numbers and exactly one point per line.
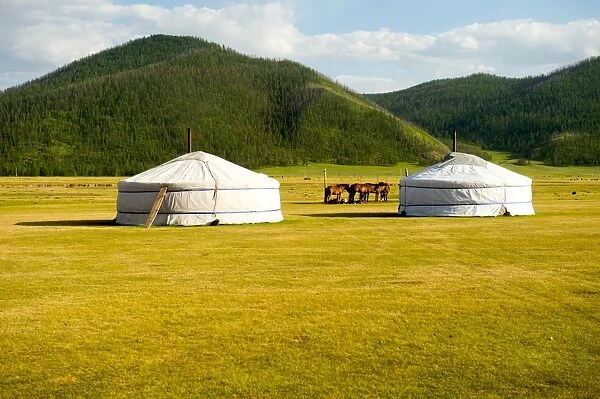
x=336, y=301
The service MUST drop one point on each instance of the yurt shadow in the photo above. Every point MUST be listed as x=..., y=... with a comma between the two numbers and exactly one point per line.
x=363, y=215
x=70, y=223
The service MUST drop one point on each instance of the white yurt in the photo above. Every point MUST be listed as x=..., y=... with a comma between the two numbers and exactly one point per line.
x=201, y=189
x=465, y=185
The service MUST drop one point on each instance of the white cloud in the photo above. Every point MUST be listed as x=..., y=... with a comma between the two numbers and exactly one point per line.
x=381, y=45
x=41, y=35
x=57, y=45
x=372, y=84
x=509, y=48
x=522, y=42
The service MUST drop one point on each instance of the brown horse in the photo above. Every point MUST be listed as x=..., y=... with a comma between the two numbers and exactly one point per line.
x=336, y=191
x=363, y=190
x=381, y=191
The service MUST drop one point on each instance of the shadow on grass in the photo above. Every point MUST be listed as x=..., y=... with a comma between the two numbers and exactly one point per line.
x=374, y=215
x=71, y=223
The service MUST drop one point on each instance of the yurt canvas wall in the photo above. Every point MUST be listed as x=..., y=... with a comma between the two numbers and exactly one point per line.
x=465, y=185
x=201, y=189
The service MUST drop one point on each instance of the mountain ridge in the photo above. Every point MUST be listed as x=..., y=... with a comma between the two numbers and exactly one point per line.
x=128, y=108
x=553, y=117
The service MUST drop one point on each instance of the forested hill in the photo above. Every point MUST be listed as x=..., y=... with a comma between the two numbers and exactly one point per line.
x=554, y=117
x=128, y=108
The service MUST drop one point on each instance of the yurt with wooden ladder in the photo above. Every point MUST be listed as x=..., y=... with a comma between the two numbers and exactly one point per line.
x=198, y=189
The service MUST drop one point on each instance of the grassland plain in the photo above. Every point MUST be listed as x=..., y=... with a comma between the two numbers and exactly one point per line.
x=336, y=301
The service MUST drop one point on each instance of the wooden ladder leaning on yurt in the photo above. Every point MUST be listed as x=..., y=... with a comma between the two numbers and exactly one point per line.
x=156, y=206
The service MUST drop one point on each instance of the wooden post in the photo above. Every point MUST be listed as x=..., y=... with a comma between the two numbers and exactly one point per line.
x=405, y=171
x=156, y=206
x=189, y=137
x=325, y=186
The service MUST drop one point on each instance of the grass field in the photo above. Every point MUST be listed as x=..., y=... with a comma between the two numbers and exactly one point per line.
x=336, y=301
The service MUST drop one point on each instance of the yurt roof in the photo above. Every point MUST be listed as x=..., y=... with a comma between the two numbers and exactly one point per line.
x=200, y=170
x=465, y=170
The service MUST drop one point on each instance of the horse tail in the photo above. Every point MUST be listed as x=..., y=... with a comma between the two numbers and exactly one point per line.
x=328, y=192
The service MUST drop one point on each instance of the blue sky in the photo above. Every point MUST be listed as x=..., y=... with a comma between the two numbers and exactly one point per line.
x=370, y=46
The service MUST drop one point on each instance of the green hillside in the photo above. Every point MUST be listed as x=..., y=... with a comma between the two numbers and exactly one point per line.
x=128, y=108
x=554, y=117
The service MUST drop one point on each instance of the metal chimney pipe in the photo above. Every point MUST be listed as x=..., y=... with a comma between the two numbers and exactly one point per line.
x=454, y=142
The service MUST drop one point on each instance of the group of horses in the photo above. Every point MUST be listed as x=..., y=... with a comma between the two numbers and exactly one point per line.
x=333, y=193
